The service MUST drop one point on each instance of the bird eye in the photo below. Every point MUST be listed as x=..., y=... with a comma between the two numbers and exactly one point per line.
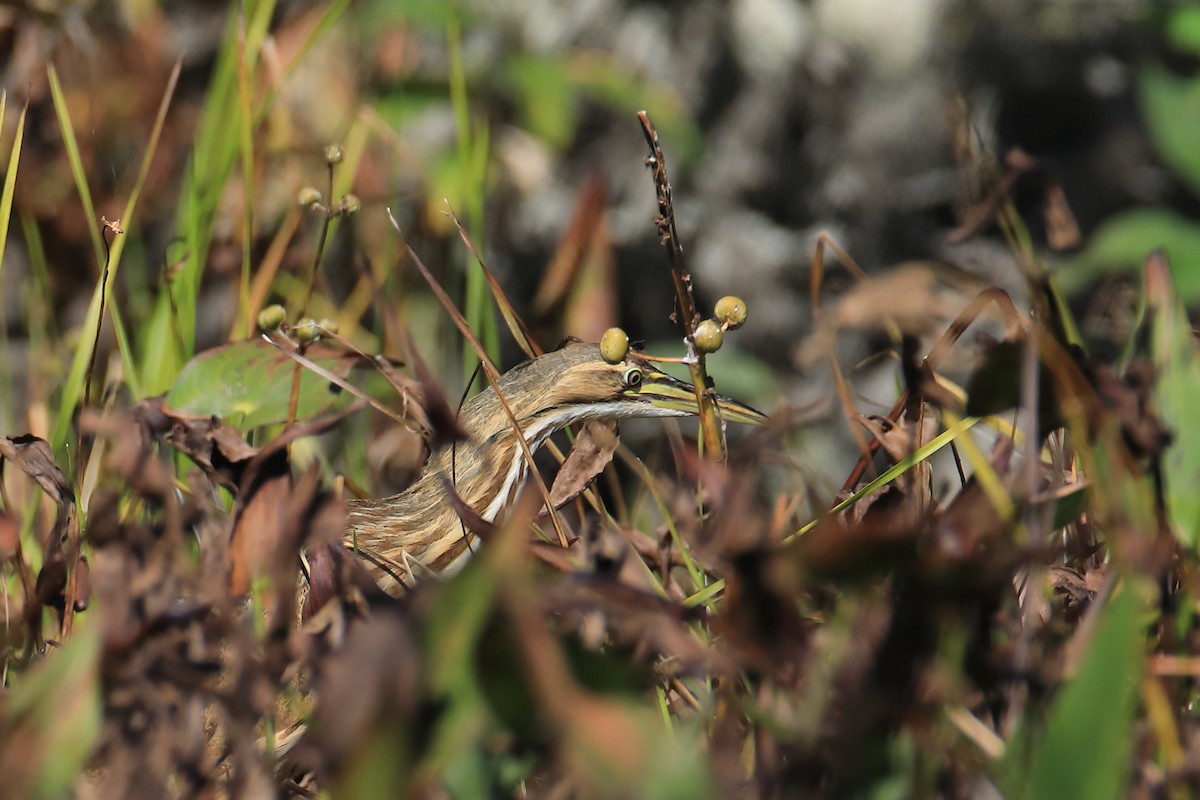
x=632, y=378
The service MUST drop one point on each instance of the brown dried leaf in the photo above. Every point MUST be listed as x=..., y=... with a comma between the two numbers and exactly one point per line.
x=132, y=456
x=1062, y=231
x=275, y=516
x=334, y=573
x=216, y=448
x=259, y=528
x=35, y=459
x=593, y=451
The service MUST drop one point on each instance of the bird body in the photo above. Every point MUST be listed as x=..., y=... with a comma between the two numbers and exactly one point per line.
x=419, y=527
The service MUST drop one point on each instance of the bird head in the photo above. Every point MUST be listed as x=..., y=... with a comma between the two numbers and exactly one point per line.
x=575, y=384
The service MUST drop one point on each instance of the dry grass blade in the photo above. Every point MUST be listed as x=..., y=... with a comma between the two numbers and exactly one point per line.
x=489, y=368
x=516, y=326
x=573, y=246
x=309, y=364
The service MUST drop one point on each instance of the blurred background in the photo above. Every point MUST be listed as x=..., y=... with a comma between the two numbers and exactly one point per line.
x=882, y=124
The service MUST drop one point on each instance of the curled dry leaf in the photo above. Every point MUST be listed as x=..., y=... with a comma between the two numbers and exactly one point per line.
x=35, y=459
x=333, y=573
x=593, y=451
x=218, y=449
x=61, y=547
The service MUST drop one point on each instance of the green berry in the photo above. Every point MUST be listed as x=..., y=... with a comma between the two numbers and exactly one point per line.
x=708, y=336
x=731, y=312
x=271, y=317
x=614, y=344
x=334, y=154
x=349, y=204
x=306, y=331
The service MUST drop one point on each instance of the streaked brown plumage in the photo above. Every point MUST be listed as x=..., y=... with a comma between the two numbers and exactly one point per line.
x=399, y=535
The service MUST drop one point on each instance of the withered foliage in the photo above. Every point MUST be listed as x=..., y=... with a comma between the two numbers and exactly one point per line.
x=245, y=653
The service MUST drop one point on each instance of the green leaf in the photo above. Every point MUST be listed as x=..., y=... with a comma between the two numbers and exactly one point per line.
x=249, y=384
x=547, y=98
x=1086, y=749
x=1183, y=29
x=10, y=175
x=1171, y=105
x=53, y=715
x=1068, y=507
x=1123, y=241
x=1177, y=367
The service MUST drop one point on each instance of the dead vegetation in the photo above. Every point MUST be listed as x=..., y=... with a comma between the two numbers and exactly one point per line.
x=997, y=598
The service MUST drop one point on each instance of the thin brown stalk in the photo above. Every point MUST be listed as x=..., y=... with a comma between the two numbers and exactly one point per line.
x=686, y=314
x=516, y=326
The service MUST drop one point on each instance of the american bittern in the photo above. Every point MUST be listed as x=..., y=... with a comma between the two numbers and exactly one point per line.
x=572, y=384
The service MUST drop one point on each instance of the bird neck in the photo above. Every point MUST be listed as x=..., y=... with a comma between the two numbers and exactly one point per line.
x=420, y=524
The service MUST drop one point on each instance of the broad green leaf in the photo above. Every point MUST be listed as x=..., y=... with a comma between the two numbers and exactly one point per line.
x=1085, y=753
x=546, y=97
x=1183, y=29
x=1069, y=506
x=1171, y=105
x=249, y=384
x=1122, y=243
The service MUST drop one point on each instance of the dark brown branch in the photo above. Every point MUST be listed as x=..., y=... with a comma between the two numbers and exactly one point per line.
x=685, y=311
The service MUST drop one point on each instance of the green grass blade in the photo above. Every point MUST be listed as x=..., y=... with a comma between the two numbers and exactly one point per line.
x=77, y=376
x=127, y=217
x=472, y=165
x=1086, y=749
x=922, y=453
x=125, y=349
x=10, y=177
x=72, y=390
x=76, y=162
x=246, y=147
x=213, y=160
